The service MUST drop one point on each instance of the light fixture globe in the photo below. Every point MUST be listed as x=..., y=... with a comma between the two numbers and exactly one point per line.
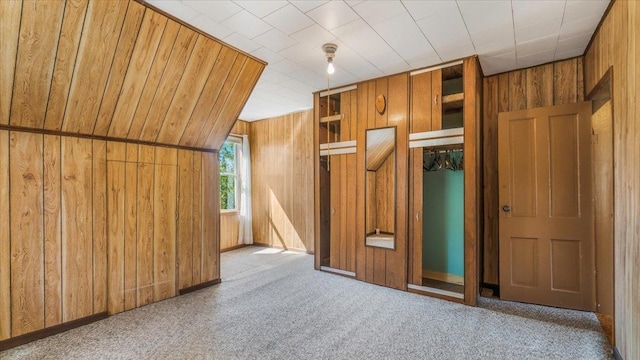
x=330, y=52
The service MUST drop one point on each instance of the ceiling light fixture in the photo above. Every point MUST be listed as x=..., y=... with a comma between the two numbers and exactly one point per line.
x=330, y=52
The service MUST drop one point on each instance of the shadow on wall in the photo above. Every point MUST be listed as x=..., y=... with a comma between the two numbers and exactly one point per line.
x=282, y=232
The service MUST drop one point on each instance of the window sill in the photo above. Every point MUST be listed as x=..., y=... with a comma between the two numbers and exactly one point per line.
x=229, y=212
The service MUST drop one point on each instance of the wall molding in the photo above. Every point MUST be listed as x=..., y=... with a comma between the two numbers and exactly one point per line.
x=200, y=286
x=450, y=278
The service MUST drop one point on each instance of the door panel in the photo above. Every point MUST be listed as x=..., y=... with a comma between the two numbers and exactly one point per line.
x=546, y=224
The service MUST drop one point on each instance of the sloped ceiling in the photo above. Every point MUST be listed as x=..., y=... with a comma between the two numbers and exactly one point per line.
x=118, y=69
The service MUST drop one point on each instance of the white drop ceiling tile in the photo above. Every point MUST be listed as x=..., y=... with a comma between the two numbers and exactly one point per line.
x=448, y=53
x=495, y=47
x=314, y=34
x=506, y=60
x=577, y=10
x=311, y=78
x=274, y=40
x=528, y=12
x=569, y=54
x=481, y=15
x=502, y=34
x=389, y=62
x=535, y=59
x=288, y=19
x=425, y=62
x=374, y=12
x=211, y=27
x=333, y=14
x=420, y=9
x=285, y=66
x=536, y=46
x=361, y=38
x=451, y=20
x=403, y=35
x=307, y=5
x=261, y=8
x=545, y=28
x=266, y=55
x=365, y=71
x=175, y=8
x=218, y=10
x=273, y=75
x=574, y=43
x=353, y=3
x=246, y=24
x=578, y=27
x=241, y=42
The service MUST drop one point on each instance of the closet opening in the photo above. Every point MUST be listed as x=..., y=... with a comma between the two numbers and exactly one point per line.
x=443, y=219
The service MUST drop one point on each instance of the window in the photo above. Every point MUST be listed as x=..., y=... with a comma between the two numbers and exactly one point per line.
x=229, y=164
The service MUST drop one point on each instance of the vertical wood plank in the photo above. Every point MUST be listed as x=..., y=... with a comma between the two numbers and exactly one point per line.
x=145, y=194
x=35, y=60
x=65, y=60
x=119, y=67
x=197, y=218
x=539, y=86
x=164, y=224
x=102, y=25
x=436, y=93
x=517, y=90
x=130, y=227
x=11, y=14
x=116, y=213
x=335, y=211
x=5, y=240
x=167, y=44
x=77, y=225
x=99, y=226
x=52, y=232
x=421, y=100
x=565, y=85
x=27, y=245
x=350, y=209
x=185, y=213
x=181, y=53
x=361, y=251
x=144, y=52
x=193, y=81
x=210, y=218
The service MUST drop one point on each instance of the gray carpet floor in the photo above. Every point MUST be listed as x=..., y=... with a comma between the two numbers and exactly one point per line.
x=273, y=305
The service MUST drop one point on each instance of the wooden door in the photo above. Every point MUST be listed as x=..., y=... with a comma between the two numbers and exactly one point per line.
x=546, y=220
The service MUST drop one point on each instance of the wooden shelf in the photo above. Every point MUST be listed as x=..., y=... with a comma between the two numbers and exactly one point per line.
x=326, y=119
x=453, y=101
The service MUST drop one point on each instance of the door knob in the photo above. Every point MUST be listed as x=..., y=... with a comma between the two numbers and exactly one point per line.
x=506, y=208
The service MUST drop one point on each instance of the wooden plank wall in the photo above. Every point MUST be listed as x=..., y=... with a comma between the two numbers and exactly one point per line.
x=545, y=85
x=615, y=45
x=282, y=181
x=376, y=265
x=98, y=225
x=118, y=69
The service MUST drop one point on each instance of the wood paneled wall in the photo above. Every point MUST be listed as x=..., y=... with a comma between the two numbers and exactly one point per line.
x=95, y=226
x=545, y=85
x=118, y=69
x=616, y=46
x=282, y=181
x=386, y=267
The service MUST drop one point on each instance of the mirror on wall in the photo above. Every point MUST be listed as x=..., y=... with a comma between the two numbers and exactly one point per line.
x=380, y=187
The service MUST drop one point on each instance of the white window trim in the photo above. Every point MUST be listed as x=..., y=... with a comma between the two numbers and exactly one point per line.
x=237, y=141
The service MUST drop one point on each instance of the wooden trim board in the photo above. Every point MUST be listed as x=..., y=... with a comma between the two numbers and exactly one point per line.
x=450, y=278
x=40, y=334
x=199, y=286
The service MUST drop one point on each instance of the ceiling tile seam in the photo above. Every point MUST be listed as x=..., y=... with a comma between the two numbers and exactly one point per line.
x=124, y=20
x=249, y=11
x=146, y=78
x=564, y=12
x=467, y=27
x=381, y=37
x=513, y=28
x=421, y=31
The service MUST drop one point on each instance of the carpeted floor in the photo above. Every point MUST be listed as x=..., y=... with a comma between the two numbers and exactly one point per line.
x=273, y=305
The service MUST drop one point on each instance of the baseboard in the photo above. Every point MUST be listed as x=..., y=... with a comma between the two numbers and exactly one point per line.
x=199, y=286
x=304, y=251
x=450, y=278
x=235, y=247
x=616, y=354
x=39, y=334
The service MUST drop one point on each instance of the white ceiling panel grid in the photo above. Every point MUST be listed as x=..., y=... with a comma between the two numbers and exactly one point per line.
x=381, y=37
